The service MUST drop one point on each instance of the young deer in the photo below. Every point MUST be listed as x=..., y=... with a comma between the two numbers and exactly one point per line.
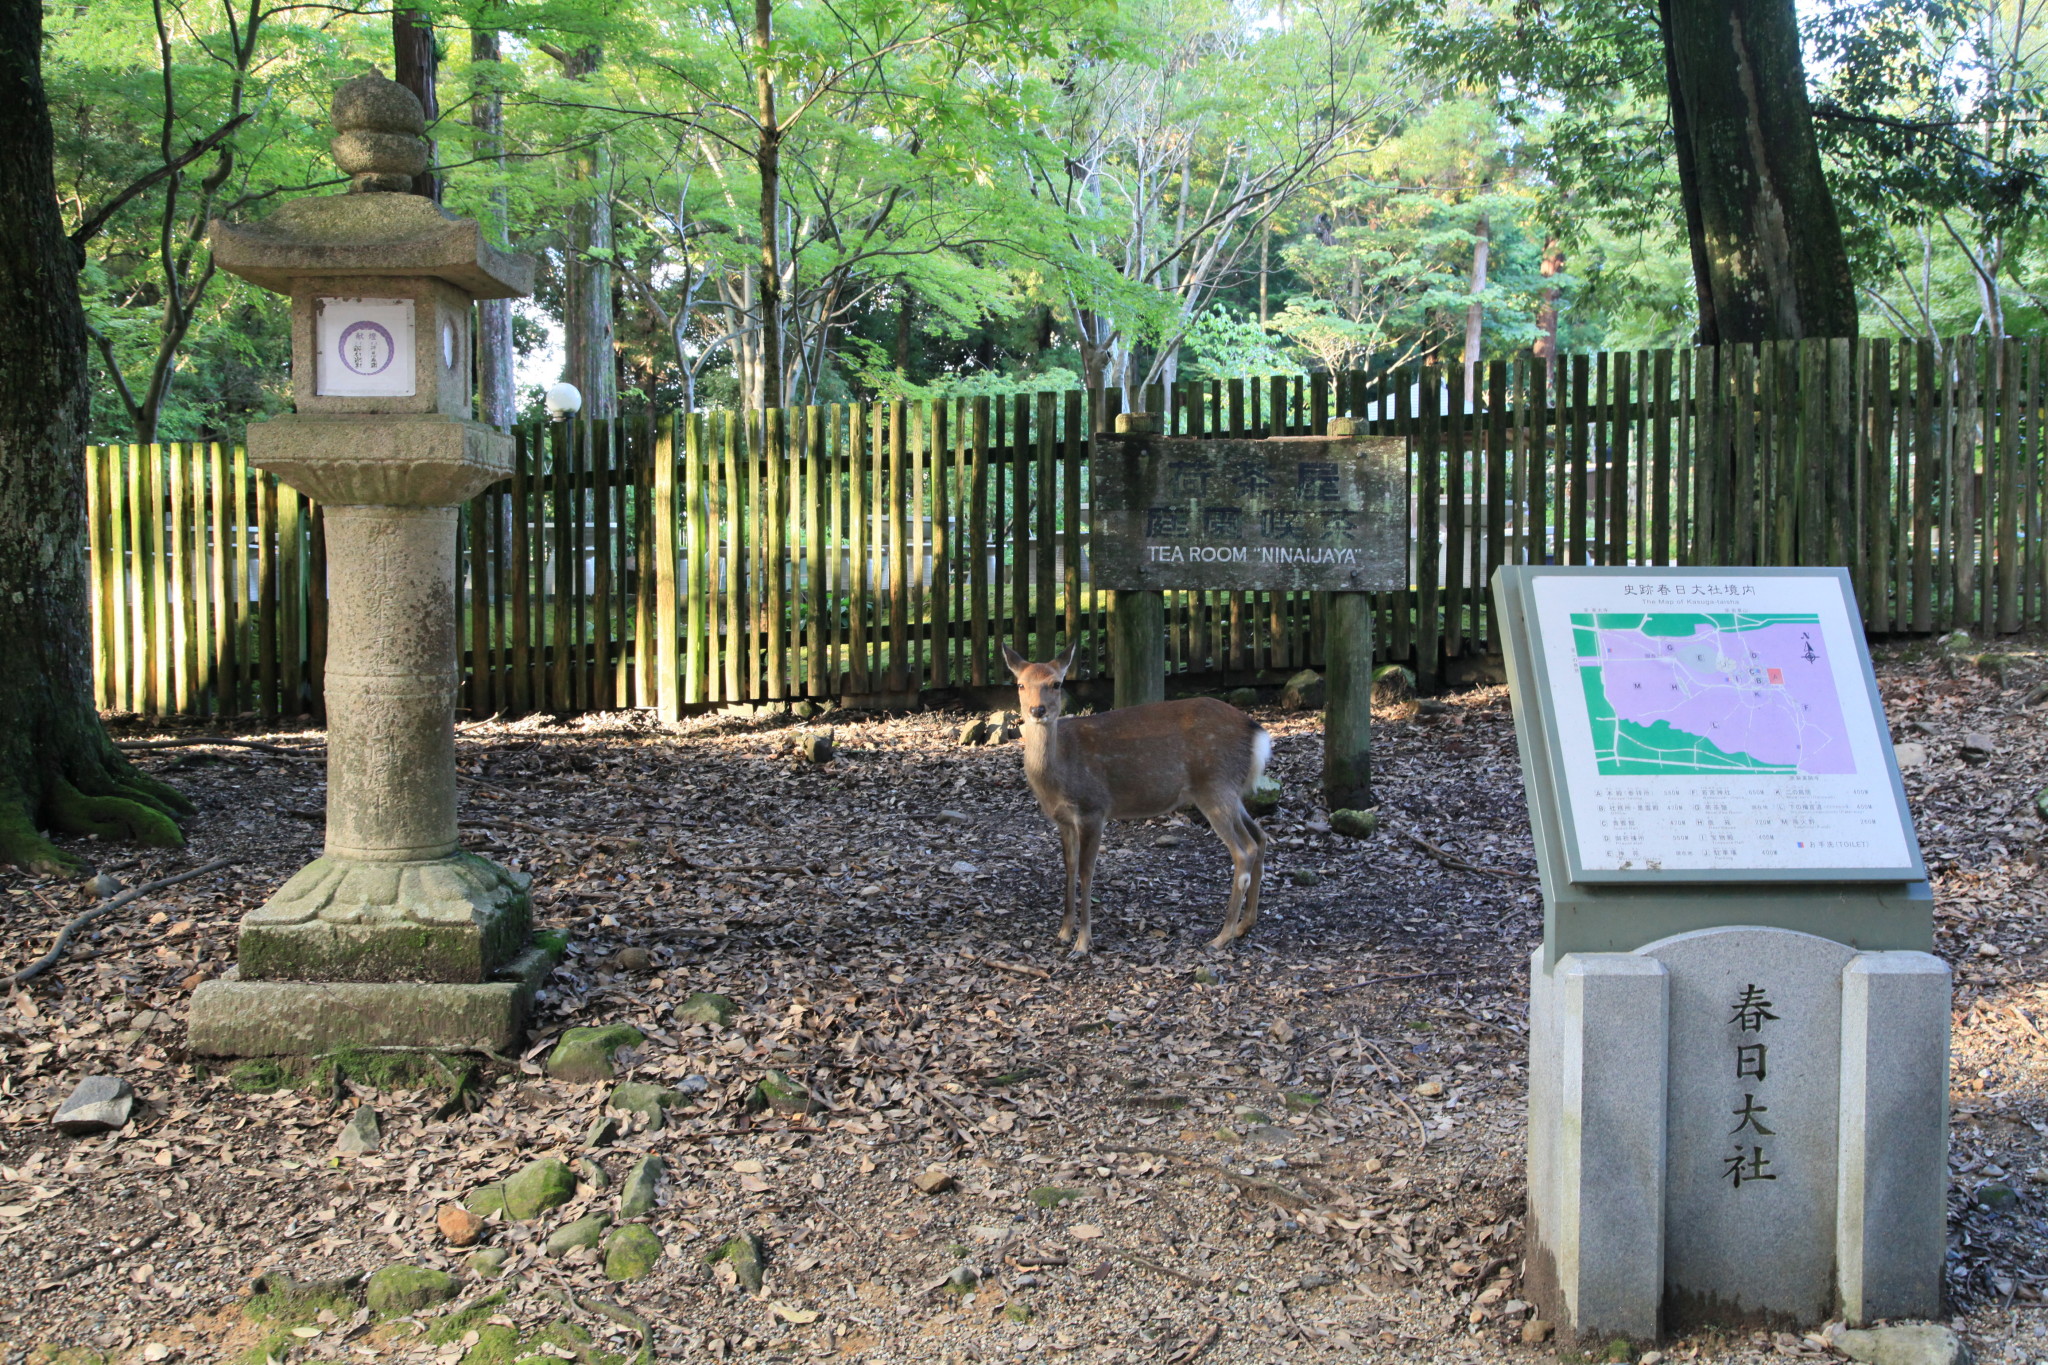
x=1136, y=763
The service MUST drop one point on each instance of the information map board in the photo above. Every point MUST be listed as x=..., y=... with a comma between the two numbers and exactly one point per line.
x=1310, y=513
x=1708, y=725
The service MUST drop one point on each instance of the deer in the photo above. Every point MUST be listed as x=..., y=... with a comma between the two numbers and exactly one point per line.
x=1135, y=763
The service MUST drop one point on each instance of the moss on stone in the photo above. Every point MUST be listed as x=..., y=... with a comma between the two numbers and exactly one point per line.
x=1052, y=1196
x=400, y=1289
x=587, y=1231
x=708, y=1008
x=585, y=1054
x=746, y=1254
x=631, y=1252
x=530, y=1191
x=638, y=1097
x=778, y=1092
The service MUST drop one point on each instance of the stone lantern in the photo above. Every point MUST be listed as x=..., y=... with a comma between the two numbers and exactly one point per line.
x=394, y=936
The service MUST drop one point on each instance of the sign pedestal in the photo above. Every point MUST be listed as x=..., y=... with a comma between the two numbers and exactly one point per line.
x=1738, y=1077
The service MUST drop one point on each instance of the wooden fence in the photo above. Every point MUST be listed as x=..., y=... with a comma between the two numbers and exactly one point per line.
x=877, y=550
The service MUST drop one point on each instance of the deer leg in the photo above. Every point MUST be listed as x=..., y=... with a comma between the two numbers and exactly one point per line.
x=1070, y=850
x=1090, y=842
x=1255, y=854
x=1246, y=842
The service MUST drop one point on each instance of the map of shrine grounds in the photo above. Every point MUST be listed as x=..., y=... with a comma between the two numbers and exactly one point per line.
x=1709, y=692
x=1708, y=724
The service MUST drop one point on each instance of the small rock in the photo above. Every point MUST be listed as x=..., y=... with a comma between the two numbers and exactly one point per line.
x=643, y=1185
x=99, y=1104
x=489, y=1263
x=708, y=1008
x=1303, y=692
x=362, y=1133
x=816, y=748
x=963, y=868
x=1242, y=697
x=106, y=886
x=1282, y=1031
x=934, y=1181
x=1244, y=1113
x=694, y=1084
x=633, y=960
x=1302, y=1101
x=601, y=1132
x=1167, y=841
x=529, y=1192
x=1265, y=795
x=745, y=1254
x=589, y=1173
x=400, y=1289
x=1392, y=683
x=1978, y=747
x=643, y=1099
x=1650, y=1358
x=1919, y=1343
x=1207, y=976
x=955, y=817
x=778, y=1092
x=1052, y=1196
x=1355, y=824
x=587, y=1231
x=1002, y=733
x=804, y=710
x=972, y=733
x=1302, y=876
x=1427, y=707
x=1535, y=1332
x=585, y=1054
x=1430, y=1089
x=1996, y=1194
x=1910, y=755
x=632, y=1250
x=1270, y=1134
x=1997, y=667
x=459, y=1226
x=965, y=1279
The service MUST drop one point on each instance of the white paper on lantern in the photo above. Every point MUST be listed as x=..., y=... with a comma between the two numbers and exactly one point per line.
x=365, y=348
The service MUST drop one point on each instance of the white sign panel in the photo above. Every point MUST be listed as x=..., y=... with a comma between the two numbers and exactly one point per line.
x=1717, y=721
x=365, y=348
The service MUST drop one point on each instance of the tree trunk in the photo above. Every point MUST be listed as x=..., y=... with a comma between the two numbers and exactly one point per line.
x=57, y=768
x=413, y=66
x=1475, y=311
x=768, y=161
x=1767, y=246
x=590, y=359
x=1546, y=307
x=494, y=354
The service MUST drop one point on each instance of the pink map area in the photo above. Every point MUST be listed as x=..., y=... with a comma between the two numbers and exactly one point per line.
x=1766, y=692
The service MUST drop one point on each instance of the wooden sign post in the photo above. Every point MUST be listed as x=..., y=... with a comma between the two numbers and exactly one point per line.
x=1285, y=513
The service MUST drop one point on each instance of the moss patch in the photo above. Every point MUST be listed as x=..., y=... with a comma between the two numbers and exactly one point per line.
x=376, y=1070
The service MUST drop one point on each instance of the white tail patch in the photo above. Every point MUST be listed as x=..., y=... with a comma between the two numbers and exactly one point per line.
x=1262, y=750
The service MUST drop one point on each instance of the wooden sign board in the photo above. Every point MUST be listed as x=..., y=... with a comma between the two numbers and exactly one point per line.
x=1309, y=513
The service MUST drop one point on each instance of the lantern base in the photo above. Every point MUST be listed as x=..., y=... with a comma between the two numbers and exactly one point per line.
x=234, y=1018
x=452, y=919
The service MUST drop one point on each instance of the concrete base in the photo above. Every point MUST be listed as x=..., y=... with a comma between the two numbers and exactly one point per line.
x=451, y=919
x=235, y=1018
x=1641, y=1087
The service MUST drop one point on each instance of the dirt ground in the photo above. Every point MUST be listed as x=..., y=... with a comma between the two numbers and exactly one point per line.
x=1306, y=1146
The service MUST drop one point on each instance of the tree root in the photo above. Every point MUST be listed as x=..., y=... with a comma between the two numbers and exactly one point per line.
x=138, y=815
x=25, y=848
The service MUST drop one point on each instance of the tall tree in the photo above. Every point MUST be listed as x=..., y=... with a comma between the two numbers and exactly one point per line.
x=1768, y=257
x=589, y=345
x=57, y=768
x=494, y=355
x=414, y=66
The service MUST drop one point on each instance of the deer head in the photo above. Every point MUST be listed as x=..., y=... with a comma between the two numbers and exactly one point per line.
x=1039, y=695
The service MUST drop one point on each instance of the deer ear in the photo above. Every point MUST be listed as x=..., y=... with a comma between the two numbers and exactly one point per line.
x=1017, y=662
x=1065, y=662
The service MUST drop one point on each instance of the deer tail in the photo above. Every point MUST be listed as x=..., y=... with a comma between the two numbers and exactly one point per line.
x=1262, y=751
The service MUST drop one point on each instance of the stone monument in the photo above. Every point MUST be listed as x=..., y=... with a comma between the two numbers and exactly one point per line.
x=394, y=936
x=1738, y=1074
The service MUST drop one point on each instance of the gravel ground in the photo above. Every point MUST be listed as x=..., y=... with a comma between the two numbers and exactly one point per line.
x=1306, y=1146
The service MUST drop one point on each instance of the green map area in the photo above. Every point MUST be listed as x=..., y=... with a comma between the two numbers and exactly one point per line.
x=1683, y=674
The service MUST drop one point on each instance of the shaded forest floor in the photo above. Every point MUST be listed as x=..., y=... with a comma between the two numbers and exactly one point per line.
x=1307, y=1146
